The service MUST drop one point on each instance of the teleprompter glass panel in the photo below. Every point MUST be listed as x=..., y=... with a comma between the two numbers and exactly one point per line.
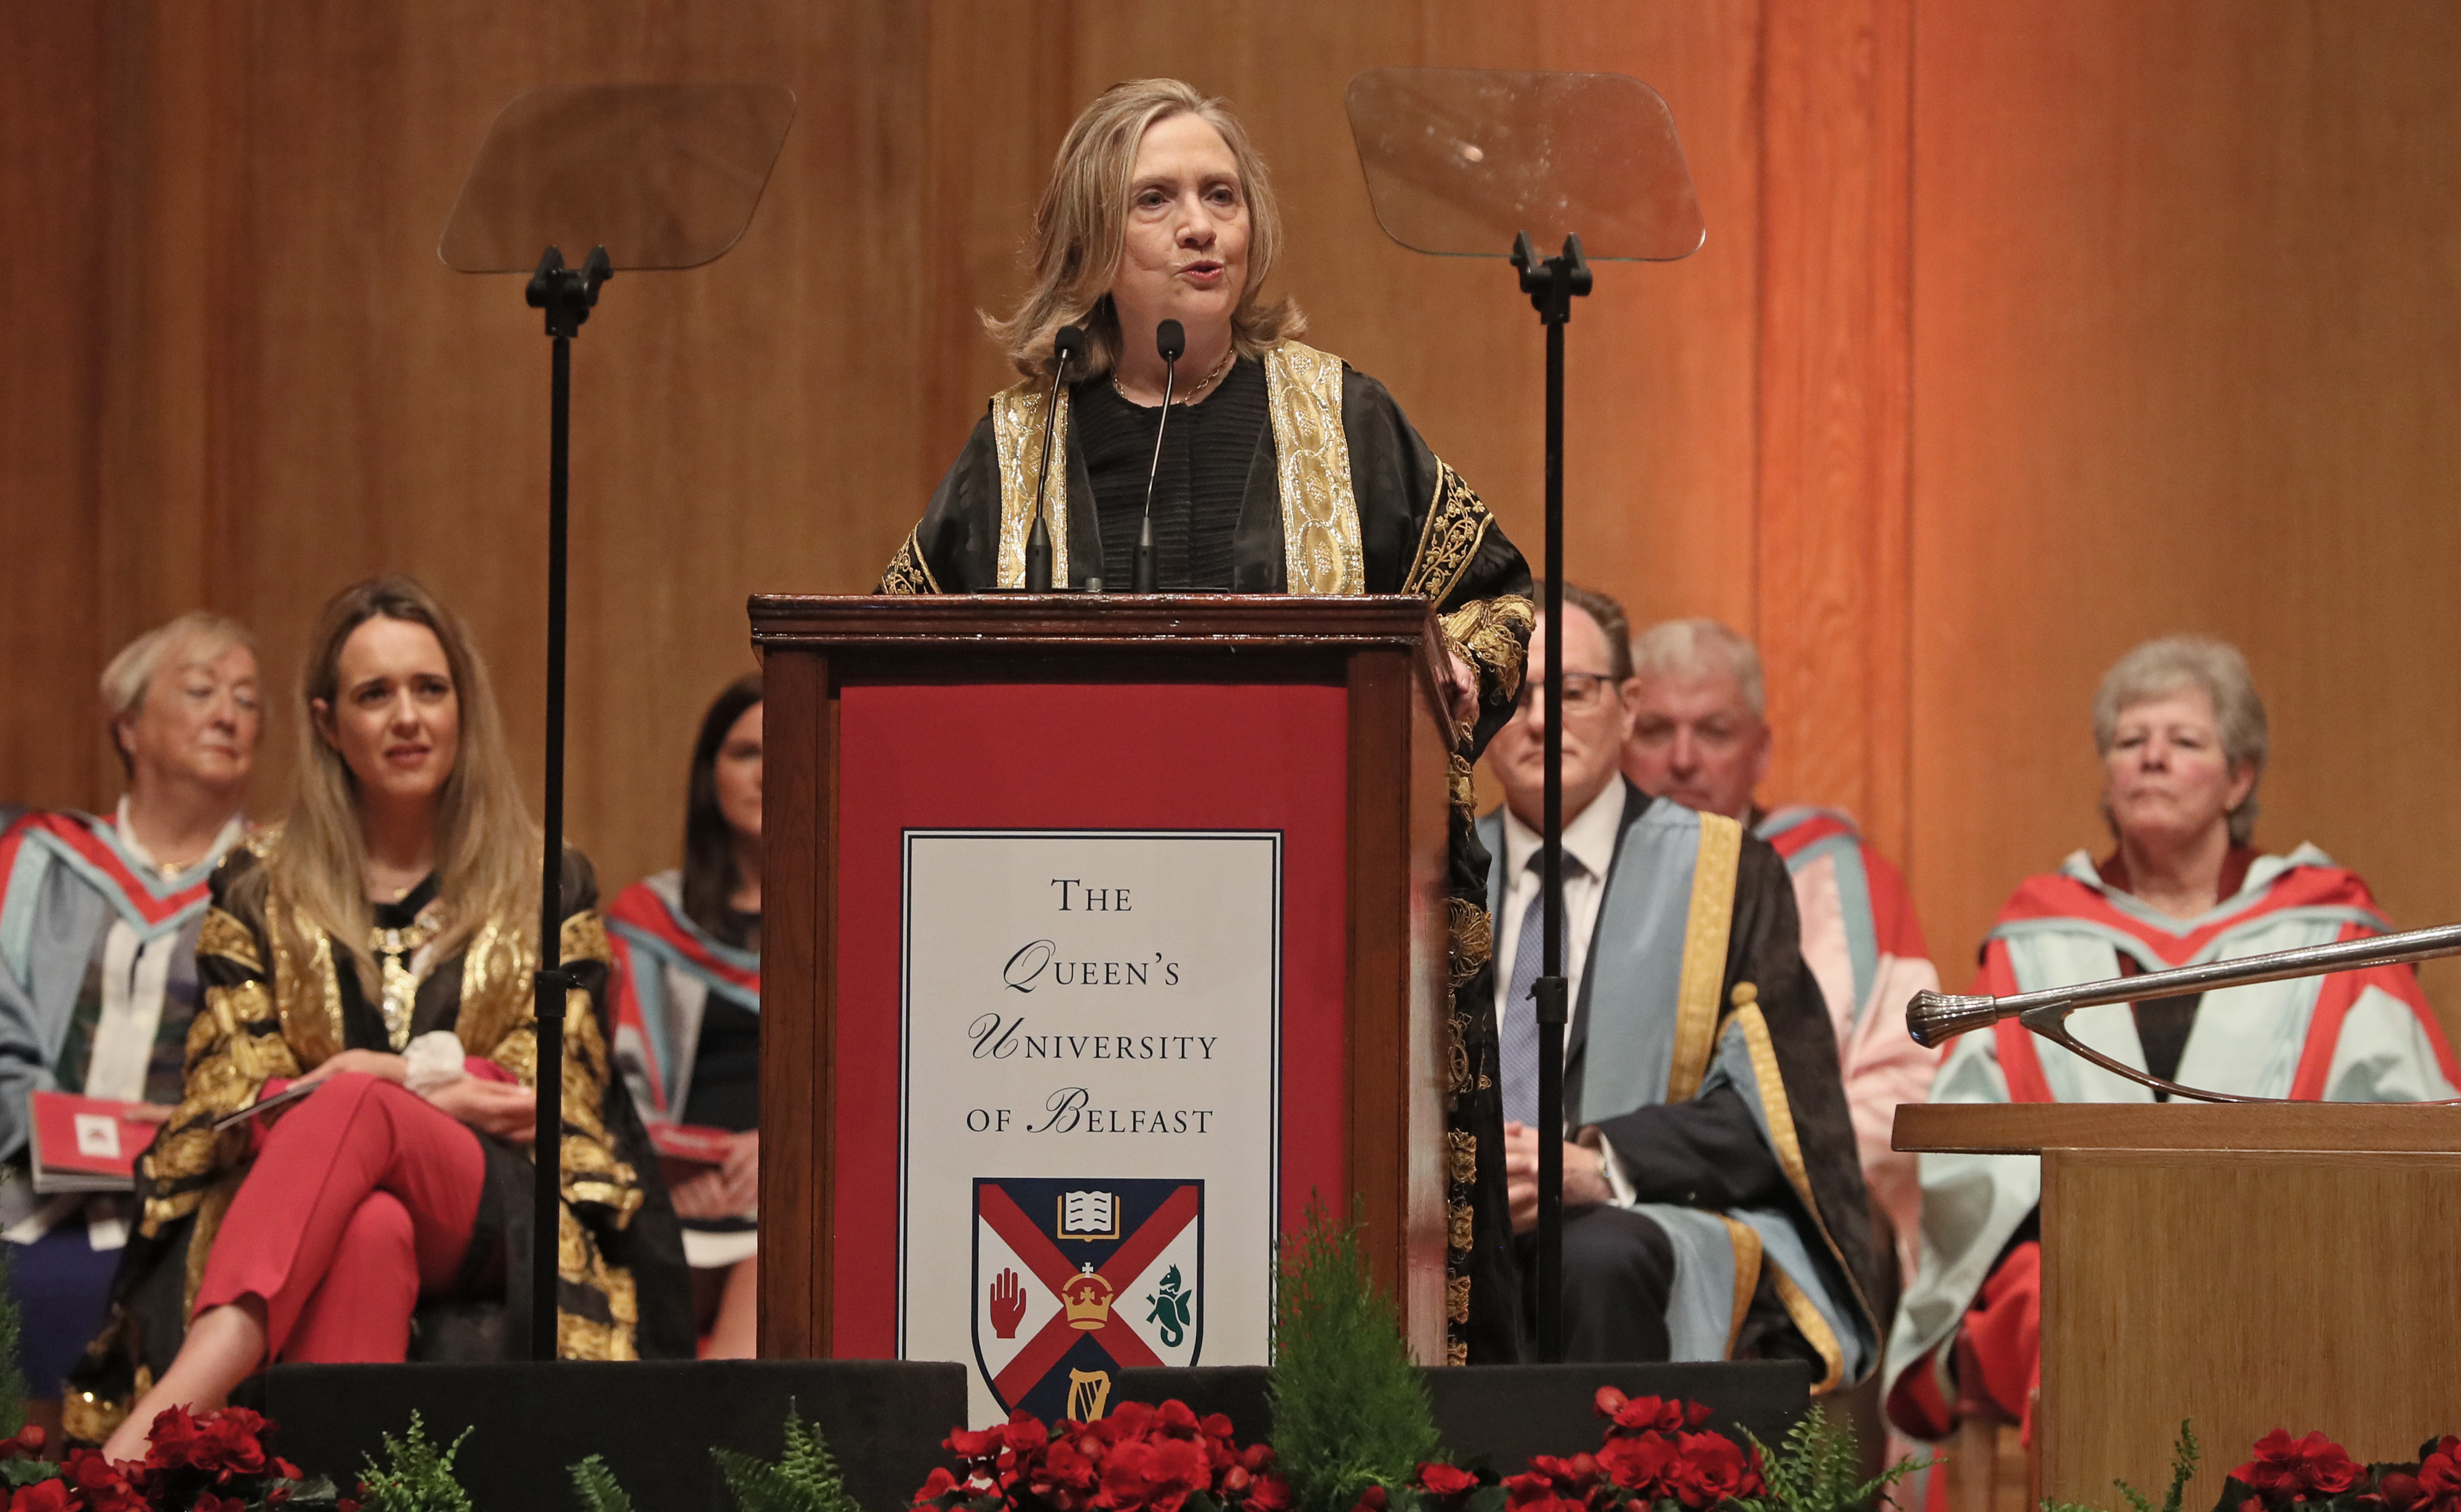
x=663, y=176
x=1458, y=161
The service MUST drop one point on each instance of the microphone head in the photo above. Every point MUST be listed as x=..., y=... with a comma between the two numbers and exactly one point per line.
x=1068, y=345
x=1935, y=1019
x=1169, y=340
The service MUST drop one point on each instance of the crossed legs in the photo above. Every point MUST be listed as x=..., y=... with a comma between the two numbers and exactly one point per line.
x=362, y=1195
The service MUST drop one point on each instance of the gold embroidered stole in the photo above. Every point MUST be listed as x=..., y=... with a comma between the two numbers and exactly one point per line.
x=1017, y=433
x=1320, y=550
x=1709, y=922
x=1320, y=533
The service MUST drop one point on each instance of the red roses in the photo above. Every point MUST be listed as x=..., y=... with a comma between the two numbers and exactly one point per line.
x=2315, y=1472
x=214, y=1464
x=2286, y=1470
x=1140, y=1459
x=1655, y=1453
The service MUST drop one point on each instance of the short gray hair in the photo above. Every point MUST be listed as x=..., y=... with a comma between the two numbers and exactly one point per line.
x=132, y=671
x=2217, y=670
x=1692, y=647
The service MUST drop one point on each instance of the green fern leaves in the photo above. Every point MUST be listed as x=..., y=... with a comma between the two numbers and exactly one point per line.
x=416, y=1477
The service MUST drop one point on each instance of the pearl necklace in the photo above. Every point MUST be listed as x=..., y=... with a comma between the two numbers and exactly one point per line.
x=1229, y=354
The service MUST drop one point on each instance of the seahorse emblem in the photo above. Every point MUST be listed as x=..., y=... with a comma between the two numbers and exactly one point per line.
x=1173, y=1310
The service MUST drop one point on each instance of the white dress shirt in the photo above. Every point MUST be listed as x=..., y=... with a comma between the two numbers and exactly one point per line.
x=1589, y=838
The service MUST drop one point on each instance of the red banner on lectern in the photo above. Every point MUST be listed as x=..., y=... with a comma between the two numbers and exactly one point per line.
x=1149, y=772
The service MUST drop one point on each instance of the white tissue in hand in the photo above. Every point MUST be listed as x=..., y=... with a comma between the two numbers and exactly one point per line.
x=434, y=1061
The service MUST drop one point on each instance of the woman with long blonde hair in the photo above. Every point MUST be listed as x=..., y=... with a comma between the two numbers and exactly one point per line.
x=367, y=972
x=1282, y=469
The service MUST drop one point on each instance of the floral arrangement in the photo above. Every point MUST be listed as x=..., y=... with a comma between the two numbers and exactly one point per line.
x=1658, y=1452
x=1139, y=1459
x=1658, y=1455
x=217, y=1463
x=2314, y=1474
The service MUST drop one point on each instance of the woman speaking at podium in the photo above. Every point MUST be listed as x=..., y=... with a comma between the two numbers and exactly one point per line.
x=1281, y=469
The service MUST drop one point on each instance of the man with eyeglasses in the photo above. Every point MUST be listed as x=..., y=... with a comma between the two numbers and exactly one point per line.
x=1701, y=737
x=1713, y=1208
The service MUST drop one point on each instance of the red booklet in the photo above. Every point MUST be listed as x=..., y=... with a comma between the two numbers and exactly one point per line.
x=694, y=1143
x=88, y=1144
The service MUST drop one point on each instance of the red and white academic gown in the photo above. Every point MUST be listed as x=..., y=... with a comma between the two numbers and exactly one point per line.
x=1862, y=942
x=1968, y=1333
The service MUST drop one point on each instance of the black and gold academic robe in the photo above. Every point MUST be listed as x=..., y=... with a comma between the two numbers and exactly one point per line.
x=623, y=1293
x=1342, y=497
x=1702, y=1055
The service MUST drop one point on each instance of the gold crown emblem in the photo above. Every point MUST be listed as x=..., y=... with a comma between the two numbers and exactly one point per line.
x=1088, y=1297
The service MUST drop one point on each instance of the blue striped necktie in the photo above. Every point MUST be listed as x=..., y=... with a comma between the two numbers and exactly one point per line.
x=1519, y=1052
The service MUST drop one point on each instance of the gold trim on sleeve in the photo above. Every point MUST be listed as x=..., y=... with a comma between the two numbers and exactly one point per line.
x=1457, y=522
x=1815, y=1330
x=227, y=937
x=1705, y=932
x=907, y=573
x=1494, y=634
x=1320, y=533
x=1780, y=1113
x=307, y=994
x=1017, y=435
x=1746, y=1241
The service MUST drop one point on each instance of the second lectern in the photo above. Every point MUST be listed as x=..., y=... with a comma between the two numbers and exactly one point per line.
x=1101, y=938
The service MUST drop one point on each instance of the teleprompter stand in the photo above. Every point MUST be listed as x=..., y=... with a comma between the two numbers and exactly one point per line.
x=1457, y=160
x=669, y=176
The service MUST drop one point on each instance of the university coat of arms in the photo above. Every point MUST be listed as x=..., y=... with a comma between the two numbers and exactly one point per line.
x=1078, y=1278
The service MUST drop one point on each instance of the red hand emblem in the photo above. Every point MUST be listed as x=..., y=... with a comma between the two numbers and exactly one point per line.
x=1008, y=1304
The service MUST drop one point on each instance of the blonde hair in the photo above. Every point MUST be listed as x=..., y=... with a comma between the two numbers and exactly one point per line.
x=1080, y=229
x=486, y=846
x=1692, y=646
x=2220, y=673
x=131, y=673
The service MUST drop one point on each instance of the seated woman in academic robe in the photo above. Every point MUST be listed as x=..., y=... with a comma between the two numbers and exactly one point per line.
x=1281, y=470
x=377, y=953
x=99, y=922
x=2182, y=737
x=687, y=998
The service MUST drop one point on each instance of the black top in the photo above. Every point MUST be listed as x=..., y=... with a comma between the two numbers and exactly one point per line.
x=726, y=1068
x=1198, y=489
x=726, y=1056
x=363, y=1022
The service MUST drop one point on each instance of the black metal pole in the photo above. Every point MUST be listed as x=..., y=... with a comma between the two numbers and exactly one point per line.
x=1549, y=987
x=565, y=295
x=1551, y=285
x=548, y=1180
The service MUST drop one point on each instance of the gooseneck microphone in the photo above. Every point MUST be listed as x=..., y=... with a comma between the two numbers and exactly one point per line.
x=1069, y=342
x=1169, y=341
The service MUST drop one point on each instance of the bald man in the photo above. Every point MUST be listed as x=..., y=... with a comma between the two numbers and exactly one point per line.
x=1701, y=737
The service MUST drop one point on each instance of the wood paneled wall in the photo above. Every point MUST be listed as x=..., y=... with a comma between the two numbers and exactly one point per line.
x=2023, y=331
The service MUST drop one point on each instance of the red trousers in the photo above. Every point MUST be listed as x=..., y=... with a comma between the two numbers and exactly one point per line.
x=362, y=1195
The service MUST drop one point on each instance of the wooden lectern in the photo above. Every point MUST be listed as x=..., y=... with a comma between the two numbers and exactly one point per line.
x=1314, y=720
x=2249, y=1266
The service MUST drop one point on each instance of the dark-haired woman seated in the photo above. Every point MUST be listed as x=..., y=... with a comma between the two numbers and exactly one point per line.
x=378, y=949
x=687, y=998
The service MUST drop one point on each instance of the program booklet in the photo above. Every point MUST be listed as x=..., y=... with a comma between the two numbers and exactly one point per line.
x=88, y=1144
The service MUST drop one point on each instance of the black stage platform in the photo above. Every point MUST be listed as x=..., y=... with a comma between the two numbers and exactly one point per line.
x=655, y=1423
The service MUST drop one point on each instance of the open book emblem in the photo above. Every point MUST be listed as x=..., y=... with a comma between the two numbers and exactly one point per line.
x=1089, y=1215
